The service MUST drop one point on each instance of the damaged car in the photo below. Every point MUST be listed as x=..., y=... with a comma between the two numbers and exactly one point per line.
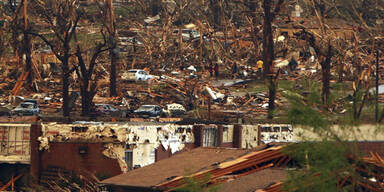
x=136, y=75
x=5, y=111
x=26, y=108
x=109, y=110
x=149, y=111
x=174, y=110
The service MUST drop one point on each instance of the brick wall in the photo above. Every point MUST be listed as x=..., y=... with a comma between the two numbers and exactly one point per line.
x=35, y=132
x=237, y=136
x=67, y=156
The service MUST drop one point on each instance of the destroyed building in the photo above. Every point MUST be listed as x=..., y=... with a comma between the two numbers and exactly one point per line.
x=264, y=168
x=168, y=174
x=108, y=149
x=129, y=146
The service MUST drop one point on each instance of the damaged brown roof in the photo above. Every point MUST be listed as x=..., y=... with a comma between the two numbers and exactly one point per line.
x=178, y=165
x=257, y=180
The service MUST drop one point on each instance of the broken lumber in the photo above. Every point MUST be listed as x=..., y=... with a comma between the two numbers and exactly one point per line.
x=19, y=83
x=11, y=182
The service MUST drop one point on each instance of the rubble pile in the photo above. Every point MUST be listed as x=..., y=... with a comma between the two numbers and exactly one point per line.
x=187, y=80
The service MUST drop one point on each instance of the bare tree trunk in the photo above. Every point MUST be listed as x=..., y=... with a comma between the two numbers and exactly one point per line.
x=84, y=86
x=113, y=76
x=113, y=51
x=377, y=87
x=28, y=58
x=340, y=71
x=27, y=44
x=326, y=73
x=180, y=47
x=201, y=49
x=268, y=54
x=85, y=98
x=216, y=12
x=65, y=79
x=272, y=97
x=252, y=7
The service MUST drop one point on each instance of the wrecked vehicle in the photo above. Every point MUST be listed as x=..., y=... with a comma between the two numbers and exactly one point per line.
x=136, y=75
x=4, y=111
x=109, y=110
x=187, y=34
x=26, y=108
x=130, y=41
x=149, y=111
x=31, y=101
x=174, y=110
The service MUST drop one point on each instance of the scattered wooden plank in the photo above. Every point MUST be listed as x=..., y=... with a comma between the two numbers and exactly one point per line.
x=11, y=182
x=16, y=89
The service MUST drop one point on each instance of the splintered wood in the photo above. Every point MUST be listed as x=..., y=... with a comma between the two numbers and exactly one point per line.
x=244, y=165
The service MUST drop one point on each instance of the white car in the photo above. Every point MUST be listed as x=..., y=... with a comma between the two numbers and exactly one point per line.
x=174, y=110
x=136, y=75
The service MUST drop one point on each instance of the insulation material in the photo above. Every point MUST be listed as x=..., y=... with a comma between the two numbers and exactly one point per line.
x=249, y=136
x=228, y=134
x=143, y=155
x=175, y=144
x=44, y=143
x=147, y=138
x=276, y=133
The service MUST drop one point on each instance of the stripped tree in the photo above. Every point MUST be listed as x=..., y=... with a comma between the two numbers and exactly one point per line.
x=268, y=50
x=19, y=26
x=61, y=17
x=109, y=23
x=86, y=71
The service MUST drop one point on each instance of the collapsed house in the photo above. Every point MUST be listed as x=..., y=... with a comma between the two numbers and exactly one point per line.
x=206, y=165
x=17, y=154
x=264, y=168
x=131, y=145
x=108, y=149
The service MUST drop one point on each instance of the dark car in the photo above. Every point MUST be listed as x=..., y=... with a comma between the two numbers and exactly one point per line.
x=149, y=111
x=31, y=101
x=109, y=110
x=26, y=108
x=4, y=111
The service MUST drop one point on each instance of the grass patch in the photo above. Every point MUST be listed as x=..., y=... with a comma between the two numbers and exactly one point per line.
x=261, y=86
